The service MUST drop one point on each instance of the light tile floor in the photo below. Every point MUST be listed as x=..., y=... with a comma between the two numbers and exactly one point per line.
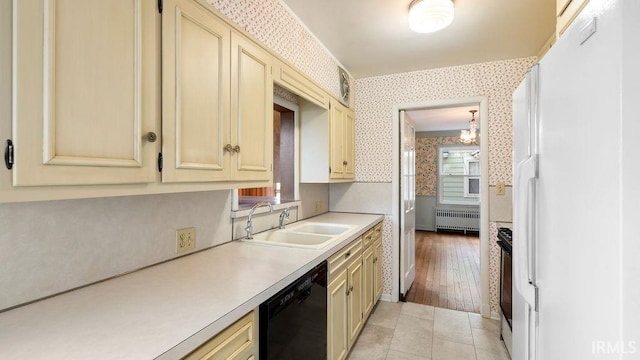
x=408, y=331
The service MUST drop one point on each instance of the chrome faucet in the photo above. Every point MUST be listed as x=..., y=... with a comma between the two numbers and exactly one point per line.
x=284, y=215
x=249, y=227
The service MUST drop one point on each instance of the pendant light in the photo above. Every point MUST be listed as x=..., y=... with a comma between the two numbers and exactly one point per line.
x=426, y=16
x=469, y=137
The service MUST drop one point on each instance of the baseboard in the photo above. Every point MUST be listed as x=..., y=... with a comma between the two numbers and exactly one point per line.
x=385, y=297
x=486, y=311
x=425, y=228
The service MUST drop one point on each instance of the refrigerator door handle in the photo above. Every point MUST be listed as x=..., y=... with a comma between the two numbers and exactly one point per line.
x=525, y=172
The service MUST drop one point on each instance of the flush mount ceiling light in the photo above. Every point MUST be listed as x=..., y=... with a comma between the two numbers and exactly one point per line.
x=426, y=16
x=469, y=137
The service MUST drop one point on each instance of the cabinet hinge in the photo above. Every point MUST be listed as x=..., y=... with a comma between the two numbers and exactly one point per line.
x=160, y=5
x=9, y=154
x=329, y=169
x=160, y=162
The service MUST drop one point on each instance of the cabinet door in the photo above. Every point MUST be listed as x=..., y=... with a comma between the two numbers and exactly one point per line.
x=337, y=319
x=356, y=291
x=86, y=92
x=237, y=342
x=195, y=93
x=336, y=138
x=368, y=281
x=349, y=123
x=377, y=263
x=251, y=110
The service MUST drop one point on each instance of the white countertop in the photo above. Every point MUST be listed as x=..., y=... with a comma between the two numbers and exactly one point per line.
x=167, y=310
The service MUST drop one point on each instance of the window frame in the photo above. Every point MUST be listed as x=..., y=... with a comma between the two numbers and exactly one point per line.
x=440, y=176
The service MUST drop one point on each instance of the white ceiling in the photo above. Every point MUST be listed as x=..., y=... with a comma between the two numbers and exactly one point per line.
x=372, y=37
x=453, y=118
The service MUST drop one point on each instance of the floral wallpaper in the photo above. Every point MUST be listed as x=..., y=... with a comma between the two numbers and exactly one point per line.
x=427, y=163
x=271, y=23
x=376, y=96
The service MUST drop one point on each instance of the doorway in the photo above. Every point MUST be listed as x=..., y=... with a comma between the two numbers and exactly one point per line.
x=400, y=290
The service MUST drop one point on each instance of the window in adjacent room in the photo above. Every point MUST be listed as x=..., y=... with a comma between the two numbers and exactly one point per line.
x=459, y=175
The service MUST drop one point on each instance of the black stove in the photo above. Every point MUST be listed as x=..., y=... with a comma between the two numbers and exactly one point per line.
x=506, y=239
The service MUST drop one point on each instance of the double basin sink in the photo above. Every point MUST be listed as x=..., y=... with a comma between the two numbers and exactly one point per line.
x=305, y=235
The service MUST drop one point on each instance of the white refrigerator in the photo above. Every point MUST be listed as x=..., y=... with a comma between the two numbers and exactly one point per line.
x=576, y=197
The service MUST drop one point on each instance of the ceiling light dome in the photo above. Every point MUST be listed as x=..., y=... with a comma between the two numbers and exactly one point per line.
x=426, y=16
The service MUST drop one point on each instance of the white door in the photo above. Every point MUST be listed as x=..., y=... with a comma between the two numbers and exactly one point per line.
x=407, y=204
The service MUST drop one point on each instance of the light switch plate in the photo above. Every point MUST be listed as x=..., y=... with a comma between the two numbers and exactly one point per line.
x=500, y=188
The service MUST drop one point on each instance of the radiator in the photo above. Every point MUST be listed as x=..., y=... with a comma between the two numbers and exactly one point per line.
x=456, y=219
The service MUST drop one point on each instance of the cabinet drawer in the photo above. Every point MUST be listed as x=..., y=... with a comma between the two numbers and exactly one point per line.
x=368, y=238
x=236, y=342
x=342, y=257
x=377, y=231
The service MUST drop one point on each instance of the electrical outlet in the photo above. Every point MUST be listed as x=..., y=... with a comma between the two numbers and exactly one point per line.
x=185, y=239
x=500, y=188
x=318, y=206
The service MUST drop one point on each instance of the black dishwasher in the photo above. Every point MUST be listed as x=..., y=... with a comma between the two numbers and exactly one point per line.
x=293, y=323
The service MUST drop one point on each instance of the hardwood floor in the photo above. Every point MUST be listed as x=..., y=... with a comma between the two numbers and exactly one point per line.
x=447, y=271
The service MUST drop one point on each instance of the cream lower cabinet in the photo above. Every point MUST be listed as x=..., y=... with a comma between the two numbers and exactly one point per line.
x=337, y=319
x=86, y=92
x=344, y=303
x=217, y=99
x=377, y=263
x=369, y=274
x=372, y=268
x=239, y=341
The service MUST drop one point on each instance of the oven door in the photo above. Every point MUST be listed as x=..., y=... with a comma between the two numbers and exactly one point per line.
x=505, y=284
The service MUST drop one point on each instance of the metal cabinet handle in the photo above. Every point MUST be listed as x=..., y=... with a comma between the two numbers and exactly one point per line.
x=351, y=288
x=228, y=148
x=236, y=149
x=344, y=163
x=347, y=254
x=152, y=137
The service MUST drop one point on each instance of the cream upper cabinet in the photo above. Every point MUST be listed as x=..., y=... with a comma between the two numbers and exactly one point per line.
x=86, y=92
x=290, y=79
x=327, y=143
x=251, y=110
x=566, y=12
x=196, y=91
x=342, y=148
x=217, y=99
